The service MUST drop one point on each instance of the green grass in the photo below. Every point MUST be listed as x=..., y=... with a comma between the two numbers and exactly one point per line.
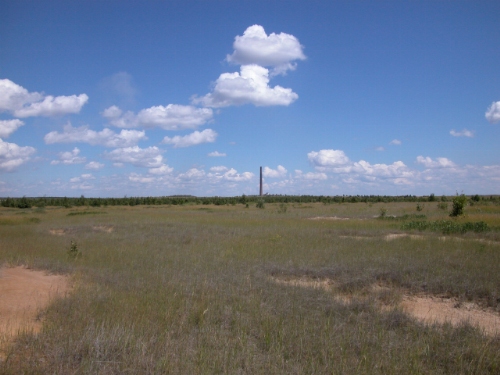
x=189, y=290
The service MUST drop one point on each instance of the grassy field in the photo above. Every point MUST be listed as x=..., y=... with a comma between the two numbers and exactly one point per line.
x=224, y=289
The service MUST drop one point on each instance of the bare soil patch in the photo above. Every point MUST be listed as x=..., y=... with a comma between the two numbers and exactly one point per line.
x=23, y=294
x=425, y=308
x=328, y=218
x=58, y=232
x=103, y=228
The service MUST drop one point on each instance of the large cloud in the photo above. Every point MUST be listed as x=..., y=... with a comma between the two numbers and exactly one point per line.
x=105, y=137
x=251, y=85
x=438, y=163
x=140, y=157
x=327, y=158
x=280, y=171
x=7, y=127
x=493, y=112
x=170, y=117
x=21, y=103
x=195, y=138
x=12, y=155
x=69, y=157
x=276, y=50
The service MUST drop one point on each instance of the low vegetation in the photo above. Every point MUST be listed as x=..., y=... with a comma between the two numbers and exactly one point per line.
x=197, y=288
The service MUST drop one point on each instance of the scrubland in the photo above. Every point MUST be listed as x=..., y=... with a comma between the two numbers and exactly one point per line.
x=287, y=289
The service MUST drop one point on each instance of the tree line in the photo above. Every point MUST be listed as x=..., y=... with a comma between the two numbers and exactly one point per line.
x=29, y=202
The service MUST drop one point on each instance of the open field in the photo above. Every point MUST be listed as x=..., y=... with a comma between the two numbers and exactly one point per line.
x=291, y=288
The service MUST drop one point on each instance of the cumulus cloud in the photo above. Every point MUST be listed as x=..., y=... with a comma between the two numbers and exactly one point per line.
x=170, y=117
x=229, y=174
x=249, y=86
x=69, y=157
x=7, y=127
x=140, y=157
x=463, y=133
x=216, y=154
x=94, y=165
x=21, y=103
x=83, y=177
x=493, y=113
x=310, y=175
x=328, y=158
x=280, y=171
x=219, y=169
x=13, y=156
x=195, y=138
x=395, y=142
x=256, y=47
x=161, y=170
x=106, y=137
x=438, y=163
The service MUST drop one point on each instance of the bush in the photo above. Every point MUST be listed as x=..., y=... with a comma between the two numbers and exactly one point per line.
x=459, y=203
x=260, y=203
x=73, y=251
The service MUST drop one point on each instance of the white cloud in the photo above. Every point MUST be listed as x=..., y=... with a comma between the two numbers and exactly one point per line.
x=171, y=117
x=233, y=175
x=328, y=158
x=216, y=154
x=162, y=170
x=219, y=169
x=280, y=171
x=310, y=175
x=138, y=178
x=140, y=157
x=438, y=163
x=83, y=177
x=120, y=84
x=256, y=47
x=380, y=148
x=94, y=165
x=105, y=137
x=493, y=112
x=195, y=138
x=12, y=155
x=7, y=127
x=192, y=173
x=21, y=103
x=463, y=133
x=69, y=157
x=251, y=85
x=395, y=142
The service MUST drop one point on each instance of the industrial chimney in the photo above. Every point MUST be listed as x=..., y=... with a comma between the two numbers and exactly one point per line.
x=260, y=181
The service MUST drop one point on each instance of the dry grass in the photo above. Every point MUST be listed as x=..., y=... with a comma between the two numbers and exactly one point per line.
x=192, y=290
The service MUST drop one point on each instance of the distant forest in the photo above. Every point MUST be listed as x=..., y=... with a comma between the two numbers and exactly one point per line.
x=28, y=202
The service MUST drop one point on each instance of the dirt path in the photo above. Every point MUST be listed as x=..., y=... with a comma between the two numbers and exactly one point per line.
x=23, y=293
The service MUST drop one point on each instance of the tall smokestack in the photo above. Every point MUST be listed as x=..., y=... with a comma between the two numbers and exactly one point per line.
x=261, y=181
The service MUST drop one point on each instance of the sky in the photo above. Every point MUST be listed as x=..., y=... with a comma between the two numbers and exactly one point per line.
x=155, y=98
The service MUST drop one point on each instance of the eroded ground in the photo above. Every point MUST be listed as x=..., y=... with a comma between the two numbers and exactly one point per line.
x=23, y=294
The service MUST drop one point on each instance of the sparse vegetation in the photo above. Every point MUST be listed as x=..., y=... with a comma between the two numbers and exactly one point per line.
x=192, y=288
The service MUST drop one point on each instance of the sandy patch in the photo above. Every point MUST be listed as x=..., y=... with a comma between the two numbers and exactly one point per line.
x=24, y=293
x=58, y=232
x=103, y=228
x=427, y=309
x=395, y=236
x=328, y=218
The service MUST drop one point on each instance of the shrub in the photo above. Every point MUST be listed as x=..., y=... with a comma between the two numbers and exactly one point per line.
x=443, y=206
x=73, y=251
x=383, y=212
x=260, y=203
x=420, y=207
x=459, y=202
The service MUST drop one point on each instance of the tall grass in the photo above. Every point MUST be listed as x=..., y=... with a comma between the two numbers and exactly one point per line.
x=183, y=290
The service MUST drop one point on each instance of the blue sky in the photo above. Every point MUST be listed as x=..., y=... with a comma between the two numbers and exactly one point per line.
x=115, y=98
